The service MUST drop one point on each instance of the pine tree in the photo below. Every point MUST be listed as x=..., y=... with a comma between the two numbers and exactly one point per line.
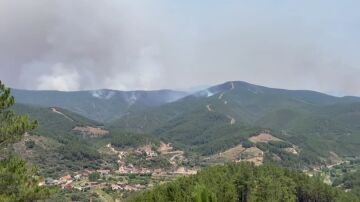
x=17, y=182
x=12, y=127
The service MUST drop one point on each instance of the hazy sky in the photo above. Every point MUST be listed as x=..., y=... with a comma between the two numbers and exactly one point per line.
x=153, y=44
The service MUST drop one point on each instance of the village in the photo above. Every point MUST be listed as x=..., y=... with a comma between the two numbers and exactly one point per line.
x=148, y=165
x=128, y=177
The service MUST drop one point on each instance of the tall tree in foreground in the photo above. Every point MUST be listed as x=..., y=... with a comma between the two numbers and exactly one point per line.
x=17, y=182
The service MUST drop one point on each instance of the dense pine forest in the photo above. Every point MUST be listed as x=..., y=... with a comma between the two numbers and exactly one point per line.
x=247, y=183
x=18, y=182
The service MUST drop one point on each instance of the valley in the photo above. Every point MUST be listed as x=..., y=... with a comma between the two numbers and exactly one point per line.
x=179, y=101
x=152, y=141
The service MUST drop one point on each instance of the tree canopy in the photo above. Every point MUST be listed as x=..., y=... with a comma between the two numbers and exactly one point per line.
x=247, y=183
x=18, y=182
x=12, y=127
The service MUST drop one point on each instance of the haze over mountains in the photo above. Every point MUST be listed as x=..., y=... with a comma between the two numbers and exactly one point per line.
x=224, y=115
x=220, y=117
x=231, y=122
x=100, y=105
x=108, y=102
x=107, y=105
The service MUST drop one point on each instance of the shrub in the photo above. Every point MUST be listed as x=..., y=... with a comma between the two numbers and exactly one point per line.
x=30, y=144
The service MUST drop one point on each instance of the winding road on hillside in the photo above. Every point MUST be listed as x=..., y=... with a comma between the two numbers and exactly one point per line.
x=57, y=112
x=177, y=154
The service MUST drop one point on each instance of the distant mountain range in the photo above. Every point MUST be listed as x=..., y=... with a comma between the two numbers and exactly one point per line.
x=220, y=117
x=225, y=115
x=100, y=105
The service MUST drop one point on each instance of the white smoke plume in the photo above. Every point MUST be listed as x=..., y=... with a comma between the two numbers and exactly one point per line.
x=127, y=45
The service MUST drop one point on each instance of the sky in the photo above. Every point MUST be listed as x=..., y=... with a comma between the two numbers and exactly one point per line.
x=179, y=44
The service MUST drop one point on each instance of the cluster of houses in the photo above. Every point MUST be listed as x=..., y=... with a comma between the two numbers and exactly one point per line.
x=126, y=187
x=147, y=150
x=65, y=182
x=130, y=169
x=79, y=181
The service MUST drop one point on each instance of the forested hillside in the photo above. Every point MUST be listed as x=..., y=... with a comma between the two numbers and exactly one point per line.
x=54, y=120
x=55, y=147
x=245, y=182
x=233, y=122
x=322, y=128
x=99, y=105
x=67, y=142
x=226, y=115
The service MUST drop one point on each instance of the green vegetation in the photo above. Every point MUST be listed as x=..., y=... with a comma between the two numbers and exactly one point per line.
x=200, y=131
x=345, y=176
x=17, y=181
x=122, y=139
x=139, y=179
x=275, y=153
x=76, y=151
x=74, y=195
x=247, y=144
x=57, y=149
x=351, y=181
x=52, y=124
x=12, y=127
x=245, y=182
x=29, y=144
x=100, y=105
x=93, y=177
x=322, y=128
x=318, y=124
x=59, y=157
x=143, y=162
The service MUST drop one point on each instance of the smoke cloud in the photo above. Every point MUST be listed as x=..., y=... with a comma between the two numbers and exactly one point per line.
x=127, y=45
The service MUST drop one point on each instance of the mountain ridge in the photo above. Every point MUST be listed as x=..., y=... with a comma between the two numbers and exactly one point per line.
x=223, y=116
x=100, y=105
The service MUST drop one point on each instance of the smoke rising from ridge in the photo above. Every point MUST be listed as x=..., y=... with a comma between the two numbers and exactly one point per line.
x=126, y=45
